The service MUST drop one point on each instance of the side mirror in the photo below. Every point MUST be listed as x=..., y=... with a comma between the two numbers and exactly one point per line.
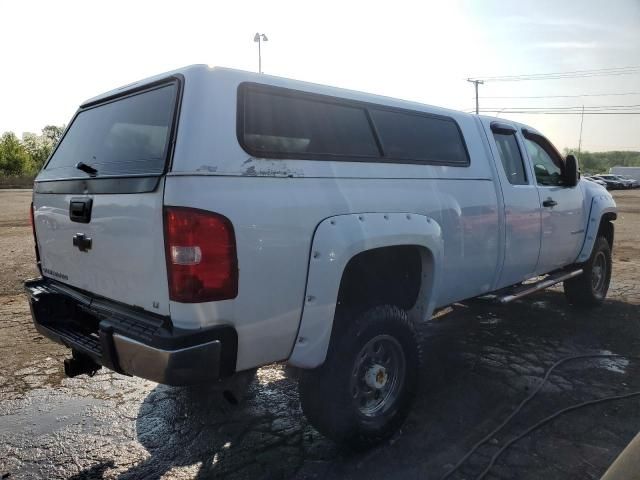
x=571, y=173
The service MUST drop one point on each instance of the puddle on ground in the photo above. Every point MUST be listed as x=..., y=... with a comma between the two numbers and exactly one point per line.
x=37, y=417
x=490, y=321
x=616, y=365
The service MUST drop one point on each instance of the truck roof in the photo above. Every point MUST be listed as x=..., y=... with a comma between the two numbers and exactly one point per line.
x=242, y=75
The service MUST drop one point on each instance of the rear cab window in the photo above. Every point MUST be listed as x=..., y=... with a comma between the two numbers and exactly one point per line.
x=276, y=122
x=127, y=136
x=511, y=157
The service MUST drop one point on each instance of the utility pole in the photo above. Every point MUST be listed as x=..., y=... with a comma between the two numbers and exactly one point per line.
x=259, y=38
x=476, y=83
x=580, y=140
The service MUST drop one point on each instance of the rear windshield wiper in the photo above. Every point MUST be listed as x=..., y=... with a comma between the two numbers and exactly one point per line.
x=86, y=168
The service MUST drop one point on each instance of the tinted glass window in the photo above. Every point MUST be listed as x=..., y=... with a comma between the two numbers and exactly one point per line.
x=417, y=137
x=546, y=168
x=124, y=137
x=511, y=158
x=275, y=123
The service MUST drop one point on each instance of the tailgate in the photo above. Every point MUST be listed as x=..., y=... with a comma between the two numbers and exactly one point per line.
x=125, y=261
x=98, y=201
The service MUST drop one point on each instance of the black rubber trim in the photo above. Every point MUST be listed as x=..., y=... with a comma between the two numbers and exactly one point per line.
x=115, y=185
x=546, y=145
x=502, y=128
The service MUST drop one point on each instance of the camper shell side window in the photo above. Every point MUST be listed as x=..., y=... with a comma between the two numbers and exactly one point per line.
x=275, y=122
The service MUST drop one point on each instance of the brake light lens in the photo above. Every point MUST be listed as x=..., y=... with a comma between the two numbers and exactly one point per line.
x=202, y=263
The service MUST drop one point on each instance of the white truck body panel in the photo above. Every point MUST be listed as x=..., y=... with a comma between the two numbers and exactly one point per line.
x=337, y=240
x=275, y=220
x=521, y=225
x=482, y=232
x=126, y=262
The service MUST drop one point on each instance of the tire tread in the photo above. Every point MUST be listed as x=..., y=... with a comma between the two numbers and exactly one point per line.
x=327, y=407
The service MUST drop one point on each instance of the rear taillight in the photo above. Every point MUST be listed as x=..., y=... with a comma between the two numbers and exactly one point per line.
x=202, y=265
x=33, y=230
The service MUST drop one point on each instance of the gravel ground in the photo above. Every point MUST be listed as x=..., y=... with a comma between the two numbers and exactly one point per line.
x=482, y=360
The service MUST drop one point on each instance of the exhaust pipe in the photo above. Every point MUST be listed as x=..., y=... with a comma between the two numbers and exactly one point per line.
x=80, y=364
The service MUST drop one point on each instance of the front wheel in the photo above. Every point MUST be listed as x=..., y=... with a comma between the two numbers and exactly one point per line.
x=363, y=392
x=590, y=288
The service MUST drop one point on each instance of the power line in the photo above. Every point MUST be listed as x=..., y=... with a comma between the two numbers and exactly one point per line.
x=590, y=70
x=565, y=96
x=627, y=147
x=559, y=75
x=572, y=112
x=578, y=107
x=572, y=74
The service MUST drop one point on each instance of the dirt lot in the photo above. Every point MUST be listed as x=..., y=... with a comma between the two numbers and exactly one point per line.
x=482, y=360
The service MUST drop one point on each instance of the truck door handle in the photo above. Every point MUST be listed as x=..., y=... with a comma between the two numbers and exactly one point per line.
x=549, y=202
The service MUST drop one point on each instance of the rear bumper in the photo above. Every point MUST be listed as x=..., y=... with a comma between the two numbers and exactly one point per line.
x=128, y=340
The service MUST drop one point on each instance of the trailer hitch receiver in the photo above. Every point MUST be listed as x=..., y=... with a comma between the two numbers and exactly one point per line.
x=80, y=364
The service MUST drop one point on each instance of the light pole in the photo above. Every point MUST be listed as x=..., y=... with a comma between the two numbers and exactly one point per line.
x=259, y=38
x=580, y=140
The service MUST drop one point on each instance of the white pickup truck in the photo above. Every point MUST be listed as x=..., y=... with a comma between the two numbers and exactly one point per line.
x=201, y=223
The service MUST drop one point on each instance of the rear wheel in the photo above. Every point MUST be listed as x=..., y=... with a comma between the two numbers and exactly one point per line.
x=363, y=392
x=590, y=288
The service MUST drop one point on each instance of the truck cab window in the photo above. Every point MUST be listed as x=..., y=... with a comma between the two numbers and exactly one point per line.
x=547, y=169
x=511, y=158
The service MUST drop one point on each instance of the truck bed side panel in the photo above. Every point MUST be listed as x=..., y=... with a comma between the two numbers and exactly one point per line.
x=275, y=219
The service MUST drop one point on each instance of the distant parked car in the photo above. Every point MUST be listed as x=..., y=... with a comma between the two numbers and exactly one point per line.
x=612, y=181
x=627, y=172
x=627, y=182
x=602, y=183
x=633, y=183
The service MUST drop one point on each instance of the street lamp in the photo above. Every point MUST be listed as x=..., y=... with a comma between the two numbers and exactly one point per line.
x=260, y=37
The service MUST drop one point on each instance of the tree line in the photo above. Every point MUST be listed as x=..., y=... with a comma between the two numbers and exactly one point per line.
x=601, y=162
x=25, y=156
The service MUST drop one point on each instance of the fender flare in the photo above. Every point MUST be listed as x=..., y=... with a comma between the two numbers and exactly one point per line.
x=600, y=206
x=335, y=242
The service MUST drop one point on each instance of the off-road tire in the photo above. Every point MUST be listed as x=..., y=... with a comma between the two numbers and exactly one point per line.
x=590, y=289
x=327, y=392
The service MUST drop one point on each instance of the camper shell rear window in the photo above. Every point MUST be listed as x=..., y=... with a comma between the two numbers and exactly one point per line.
x=275, y=122
x=125, y=136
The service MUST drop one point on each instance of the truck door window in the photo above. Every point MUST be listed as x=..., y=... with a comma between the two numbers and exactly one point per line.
x=547, y=169
x=511, y=158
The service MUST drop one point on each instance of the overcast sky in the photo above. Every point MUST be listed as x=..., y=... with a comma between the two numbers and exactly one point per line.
x=57, y=54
